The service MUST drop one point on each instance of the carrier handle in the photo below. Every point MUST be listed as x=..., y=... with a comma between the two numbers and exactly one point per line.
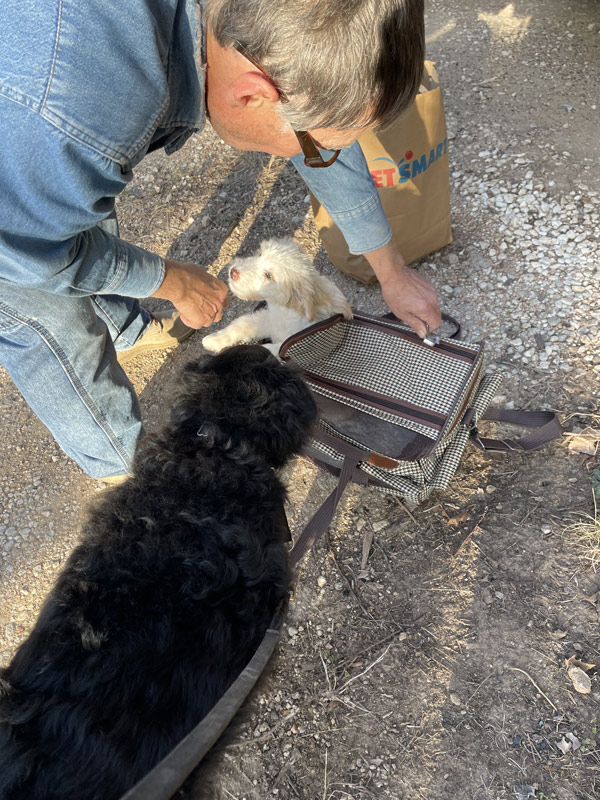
x=445, y=317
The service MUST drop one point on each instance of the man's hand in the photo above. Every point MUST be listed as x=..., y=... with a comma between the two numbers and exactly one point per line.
x=409, y=295
x=197, y=296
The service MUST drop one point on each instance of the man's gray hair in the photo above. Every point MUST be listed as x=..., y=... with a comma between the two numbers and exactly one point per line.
x=341, y=63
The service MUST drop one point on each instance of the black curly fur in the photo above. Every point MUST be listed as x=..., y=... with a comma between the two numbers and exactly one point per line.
x=168, y=595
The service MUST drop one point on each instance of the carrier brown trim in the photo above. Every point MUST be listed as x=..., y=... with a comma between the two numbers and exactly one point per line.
x=473, y=379
x=318, y=326
x=462, y=353
x=377, y=460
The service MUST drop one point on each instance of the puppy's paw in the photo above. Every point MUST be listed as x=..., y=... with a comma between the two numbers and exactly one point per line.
x=215, y=342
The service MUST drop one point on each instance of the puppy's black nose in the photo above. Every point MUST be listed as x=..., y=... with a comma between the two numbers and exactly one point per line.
x=234, y=274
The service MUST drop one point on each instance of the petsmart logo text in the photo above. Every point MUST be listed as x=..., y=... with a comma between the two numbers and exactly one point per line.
x=407, y=168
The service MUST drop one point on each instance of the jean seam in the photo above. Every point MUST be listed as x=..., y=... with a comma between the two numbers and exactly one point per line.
x=54, y=58
x=80, y=390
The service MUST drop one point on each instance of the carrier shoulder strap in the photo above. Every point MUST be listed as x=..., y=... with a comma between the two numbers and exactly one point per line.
x=322, y=519
x=546, y=424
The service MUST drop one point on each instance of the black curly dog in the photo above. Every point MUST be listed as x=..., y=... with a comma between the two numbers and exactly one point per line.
x=170, y=592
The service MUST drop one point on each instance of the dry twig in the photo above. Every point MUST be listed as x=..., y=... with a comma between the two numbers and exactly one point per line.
x=545, y=696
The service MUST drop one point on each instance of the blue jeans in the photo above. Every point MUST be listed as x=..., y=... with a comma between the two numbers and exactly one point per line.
x=60, y=351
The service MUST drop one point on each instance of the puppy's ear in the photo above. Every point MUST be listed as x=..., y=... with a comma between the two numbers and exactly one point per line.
x=302, y=298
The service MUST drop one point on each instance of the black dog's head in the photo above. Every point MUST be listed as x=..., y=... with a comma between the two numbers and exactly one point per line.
x=245, y=395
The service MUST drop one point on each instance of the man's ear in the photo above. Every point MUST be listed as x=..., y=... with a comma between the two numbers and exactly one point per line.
x=252, y=90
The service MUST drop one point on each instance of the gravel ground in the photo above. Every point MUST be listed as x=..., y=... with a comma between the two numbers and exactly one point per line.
x=428, y=662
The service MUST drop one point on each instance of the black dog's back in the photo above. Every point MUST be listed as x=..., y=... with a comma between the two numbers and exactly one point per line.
x=167, y=597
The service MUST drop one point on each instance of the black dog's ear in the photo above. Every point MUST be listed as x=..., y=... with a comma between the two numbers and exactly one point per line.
x=250, y=397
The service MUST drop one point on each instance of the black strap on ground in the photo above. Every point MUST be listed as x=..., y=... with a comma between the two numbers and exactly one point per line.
x=322, y=519
x=164, y=780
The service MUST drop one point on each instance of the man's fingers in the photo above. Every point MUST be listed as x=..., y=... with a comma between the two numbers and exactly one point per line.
x=423, y=326
x=419, y=326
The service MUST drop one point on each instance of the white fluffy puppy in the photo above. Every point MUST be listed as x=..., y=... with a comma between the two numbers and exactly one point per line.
x=296, y=295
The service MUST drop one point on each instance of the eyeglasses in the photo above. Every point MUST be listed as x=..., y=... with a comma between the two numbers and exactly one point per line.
x=312, y=155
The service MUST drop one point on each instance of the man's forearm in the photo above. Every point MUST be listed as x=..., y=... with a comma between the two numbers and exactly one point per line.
x=409, y=295
x=386, y=262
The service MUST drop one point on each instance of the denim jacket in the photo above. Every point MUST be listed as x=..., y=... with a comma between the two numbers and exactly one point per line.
x=86, y=90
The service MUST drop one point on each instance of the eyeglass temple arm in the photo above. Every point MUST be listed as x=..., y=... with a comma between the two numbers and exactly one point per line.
x=312, y=155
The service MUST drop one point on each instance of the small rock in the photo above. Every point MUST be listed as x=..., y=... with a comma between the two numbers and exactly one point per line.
x=292, y=631
x=581, y=682
x=455, y=699
x=525, y=791
x=574, y=740
x=321, y=581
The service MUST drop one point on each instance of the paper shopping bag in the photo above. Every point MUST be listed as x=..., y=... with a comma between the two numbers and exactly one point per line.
x=409, y=165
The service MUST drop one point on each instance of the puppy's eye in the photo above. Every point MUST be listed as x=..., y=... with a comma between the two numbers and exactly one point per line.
x=268, y=276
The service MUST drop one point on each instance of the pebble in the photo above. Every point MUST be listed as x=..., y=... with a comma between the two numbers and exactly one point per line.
x=321, y=581
x=380, y=525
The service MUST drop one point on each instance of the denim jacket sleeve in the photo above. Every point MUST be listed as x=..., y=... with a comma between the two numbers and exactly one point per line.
x=347, y=191
x=55, y=190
